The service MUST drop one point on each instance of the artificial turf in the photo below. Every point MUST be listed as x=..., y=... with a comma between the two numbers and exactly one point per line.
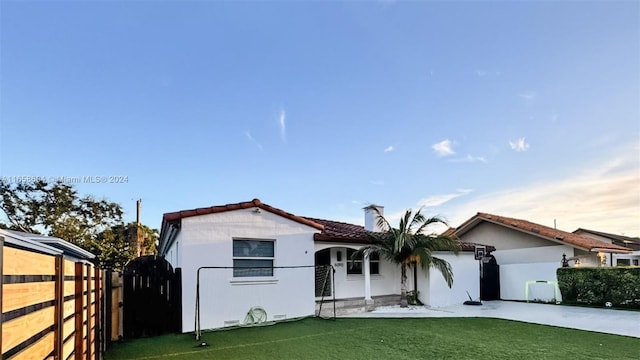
x=425, y=338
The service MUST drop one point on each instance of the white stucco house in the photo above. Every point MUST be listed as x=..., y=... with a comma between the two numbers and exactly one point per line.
x=528, y=254
x=252, y=233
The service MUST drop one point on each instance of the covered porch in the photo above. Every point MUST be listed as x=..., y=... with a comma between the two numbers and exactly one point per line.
x=363, y=279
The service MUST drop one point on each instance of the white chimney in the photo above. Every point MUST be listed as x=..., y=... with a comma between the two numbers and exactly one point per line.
x=371, y=217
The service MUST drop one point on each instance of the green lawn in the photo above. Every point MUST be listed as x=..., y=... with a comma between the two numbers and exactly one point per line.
x=432, y=338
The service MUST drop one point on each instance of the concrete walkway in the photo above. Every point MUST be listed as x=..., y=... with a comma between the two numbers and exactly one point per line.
x=618, y=322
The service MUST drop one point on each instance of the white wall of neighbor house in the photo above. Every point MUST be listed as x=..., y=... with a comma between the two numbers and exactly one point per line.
x=207, y=240
x=586, y=258
x=434, y=290
x=517, y=266
x=503, y=238
x=630, y=259
x=173, y=254
x=514, y=278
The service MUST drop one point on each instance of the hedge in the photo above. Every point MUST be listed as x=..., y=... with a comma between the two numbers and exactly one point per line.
x=598, y=285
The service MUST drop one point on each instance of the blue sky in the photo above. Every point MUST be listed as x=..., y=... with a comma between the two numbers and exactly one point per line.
x=521, y=109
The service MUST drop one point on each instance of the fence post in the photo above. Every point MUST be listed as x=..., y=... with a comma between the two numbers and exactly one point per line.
x=1, y=292
x=59, y=307
x=89, y=308
x=97, y=338
x=107, y=316
x=78, y=312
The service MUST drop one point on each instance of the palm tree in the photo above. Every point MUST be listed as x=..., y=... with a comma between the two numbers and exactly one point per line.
x=410, y=243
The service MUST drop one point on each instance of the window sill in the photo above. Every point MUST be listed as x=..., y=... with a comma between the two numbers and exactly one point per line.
x=253, y=281
x=358, y=277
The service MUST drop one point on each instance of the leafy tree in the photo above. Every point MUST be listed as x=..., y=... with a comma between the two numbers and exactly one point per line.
x=410, y=243
x=116, y=246
x=112, y=247
x=57, y=210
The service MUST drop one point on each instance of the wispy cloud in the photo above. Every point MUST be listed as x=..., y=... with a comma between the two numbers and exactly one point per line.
x=610, y=188
x=443, y=148
x=437, y=200
x=519, y=145
x=282, y=118
x=470, y=158
x=528, y=95
x=254, y=141
x=389, y=149
x=481, y=73
x=377, y=182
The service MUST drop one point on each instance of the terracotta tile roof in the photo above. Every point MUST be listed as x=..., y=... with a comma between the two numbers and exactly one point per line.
x=331, y=231
x=632, y=243
x=541, y=231
x=175, y=217
x=335, y=231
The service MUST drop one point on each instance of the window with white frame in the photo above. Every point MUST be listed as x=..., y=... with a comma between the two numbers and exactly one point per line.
x=623, y=262
x=354, y=266
x=253, y=258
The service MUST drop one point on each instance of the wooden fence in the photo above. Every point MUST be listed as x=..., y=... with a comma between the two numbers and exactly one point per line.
x=51, y=306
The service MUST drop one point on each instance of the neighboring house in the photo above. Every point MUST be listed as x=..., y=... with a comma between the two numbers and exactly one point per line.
x=70, y=251
x=531, y=253
x=256, y=234
x=616, y=259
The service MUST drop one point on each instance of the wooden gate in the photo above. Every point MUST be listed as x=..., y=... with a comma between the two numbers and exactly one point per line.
x=152, y=297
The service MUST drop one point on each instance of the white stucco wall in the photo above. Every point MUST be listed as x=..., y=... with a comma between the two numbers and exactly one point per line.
x=517, y=266
x=545, y=254
x=206, y=240
x=514, y=277
x=466, y=277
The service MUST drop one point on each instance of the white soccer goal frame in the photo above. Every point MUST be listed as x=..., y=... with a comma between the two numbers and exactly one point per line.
x=330, y=273
x=554, y=284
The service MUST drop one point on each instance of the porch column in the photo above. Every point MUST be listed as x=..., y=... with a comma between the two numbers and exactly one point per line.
x=367, y=278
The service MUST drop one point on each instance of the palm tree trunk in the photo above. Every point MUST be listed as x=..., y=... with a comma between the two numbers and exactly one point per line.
x=403, y=286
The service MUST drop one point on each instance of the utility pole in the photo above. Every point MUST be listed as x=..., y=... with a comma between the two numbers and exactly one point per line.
x=138, y=238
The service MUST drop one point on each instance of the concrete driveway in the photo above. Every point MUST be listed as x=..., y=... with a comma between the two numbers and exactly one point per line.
x=620, y=322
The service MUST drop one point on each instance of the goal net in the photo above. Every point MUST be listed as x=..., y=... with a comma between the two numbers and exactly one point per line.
x=253, y=296
x=542, y=291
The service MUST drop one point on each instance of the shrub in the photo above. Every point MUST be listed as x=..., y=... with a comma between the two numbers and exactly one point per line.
x=598, y=285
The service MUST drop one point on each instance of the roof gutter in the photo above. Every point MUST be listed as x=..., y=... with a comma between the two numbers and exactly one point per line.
x=612, y=251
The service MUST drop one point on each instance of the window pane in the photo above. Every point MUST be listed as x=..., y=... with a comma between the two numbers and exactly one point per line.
x=350, y=254
x=252, y=248
x=374, y=267
x=250, y=268
x=354, y=267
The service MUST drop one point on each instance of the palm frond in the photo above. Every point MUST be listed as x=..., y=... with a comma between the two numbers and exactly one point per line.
x=445, y=269
x=381, y=221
